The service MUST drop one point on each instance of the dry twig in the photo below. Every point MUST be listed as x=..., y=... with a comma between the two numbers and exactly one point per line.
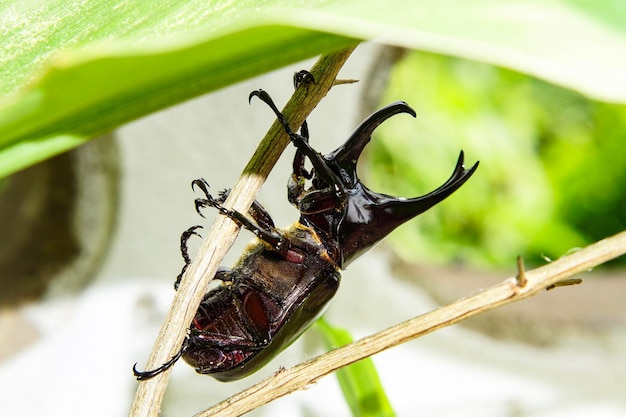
x=526, y=284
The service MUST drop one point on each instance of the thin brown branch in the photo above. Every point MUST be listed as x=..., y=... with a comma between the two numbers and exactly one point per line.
x=526, y=284
x=150, y=393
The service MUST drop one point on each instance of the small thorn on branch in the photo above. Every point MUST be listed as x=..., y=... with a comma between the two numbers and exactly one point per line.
x=345, y=81
x=521, y=273
x=564, y=283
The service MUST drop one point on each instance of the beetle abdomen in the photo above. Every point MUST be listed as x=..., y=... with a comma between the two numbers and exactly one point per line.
x=265, y=303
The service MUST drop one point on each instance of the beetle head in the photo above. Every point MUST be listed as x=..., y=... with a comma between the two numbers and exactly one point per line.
x=348, y=216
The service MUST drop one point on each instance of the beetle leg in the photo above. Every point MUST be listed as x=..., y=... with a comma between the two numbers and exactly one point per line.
x=184, y=250
x=301, y=143
x=222, y=274
x=145, y=375
x=299, y=78
x=256, y=211
x=184, y=238
x=298, y=159
x=302, y=77
x=267, y=234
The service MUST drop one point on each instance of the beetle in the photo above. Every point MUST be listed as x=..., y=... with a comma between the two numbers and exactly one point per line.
x=284, y=280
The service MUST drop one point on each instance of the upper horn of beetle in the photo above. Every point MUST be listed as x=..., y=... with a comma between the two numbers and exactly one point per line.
x=347, y=155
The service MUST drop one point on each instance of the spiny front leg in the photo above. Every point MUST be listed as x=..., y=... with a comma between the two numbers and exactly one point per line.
x=184, y=251
x=258, y=213
x=266, y=233
x=302, y=144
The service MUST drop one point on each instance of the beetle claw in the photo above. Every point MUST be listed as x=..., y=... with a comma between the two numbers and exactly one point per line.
x=208, y=201
x=184, y=238
x=202, y=184
x=261, y=94
x=199, y=204
x=301, y=77
x=145, y=375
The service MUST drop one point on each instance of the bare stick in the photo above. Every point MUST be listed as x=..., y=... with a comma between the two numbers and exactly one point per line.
x=222, y=235
x=526, y=284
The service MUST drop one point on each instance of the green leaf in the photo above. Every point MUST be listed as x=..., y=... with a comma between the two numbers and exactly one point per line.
x=359, y=382
x=551, y=177
x=72, y=69
x=84, y=94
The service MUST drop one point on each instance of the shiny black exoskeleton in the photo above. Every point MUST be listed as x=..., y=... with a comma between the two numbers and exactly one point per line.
x=282, y=282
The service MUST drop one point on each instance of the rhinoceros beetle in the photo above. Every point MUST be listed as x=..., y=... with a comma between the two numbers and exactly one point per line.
x=282, y=282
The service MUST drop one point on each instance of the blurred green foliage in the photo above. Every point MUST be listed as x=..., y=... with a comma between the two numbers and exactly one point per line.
x=359, y=382
x=552, y=173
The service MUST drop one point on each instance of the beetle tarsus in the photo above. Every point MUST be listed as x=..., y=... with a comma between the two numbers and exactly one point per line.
x=145, y=375
x=210, y=201
x=299, y=78
x=184, y=238
x=302, y=77
x=184, y=251
x=265, y=98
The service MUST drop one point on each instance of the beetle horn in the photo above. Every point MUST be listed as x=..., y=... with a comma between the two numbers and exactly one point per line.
x=377, y=215
x=404, y=209
x=346, y=155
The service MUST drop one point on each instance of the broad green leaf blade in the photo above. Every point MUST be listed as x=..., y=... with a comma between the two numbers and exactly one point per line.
x=80, y=97
x=578, y=44
x=359, y=382
x=71, y=69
